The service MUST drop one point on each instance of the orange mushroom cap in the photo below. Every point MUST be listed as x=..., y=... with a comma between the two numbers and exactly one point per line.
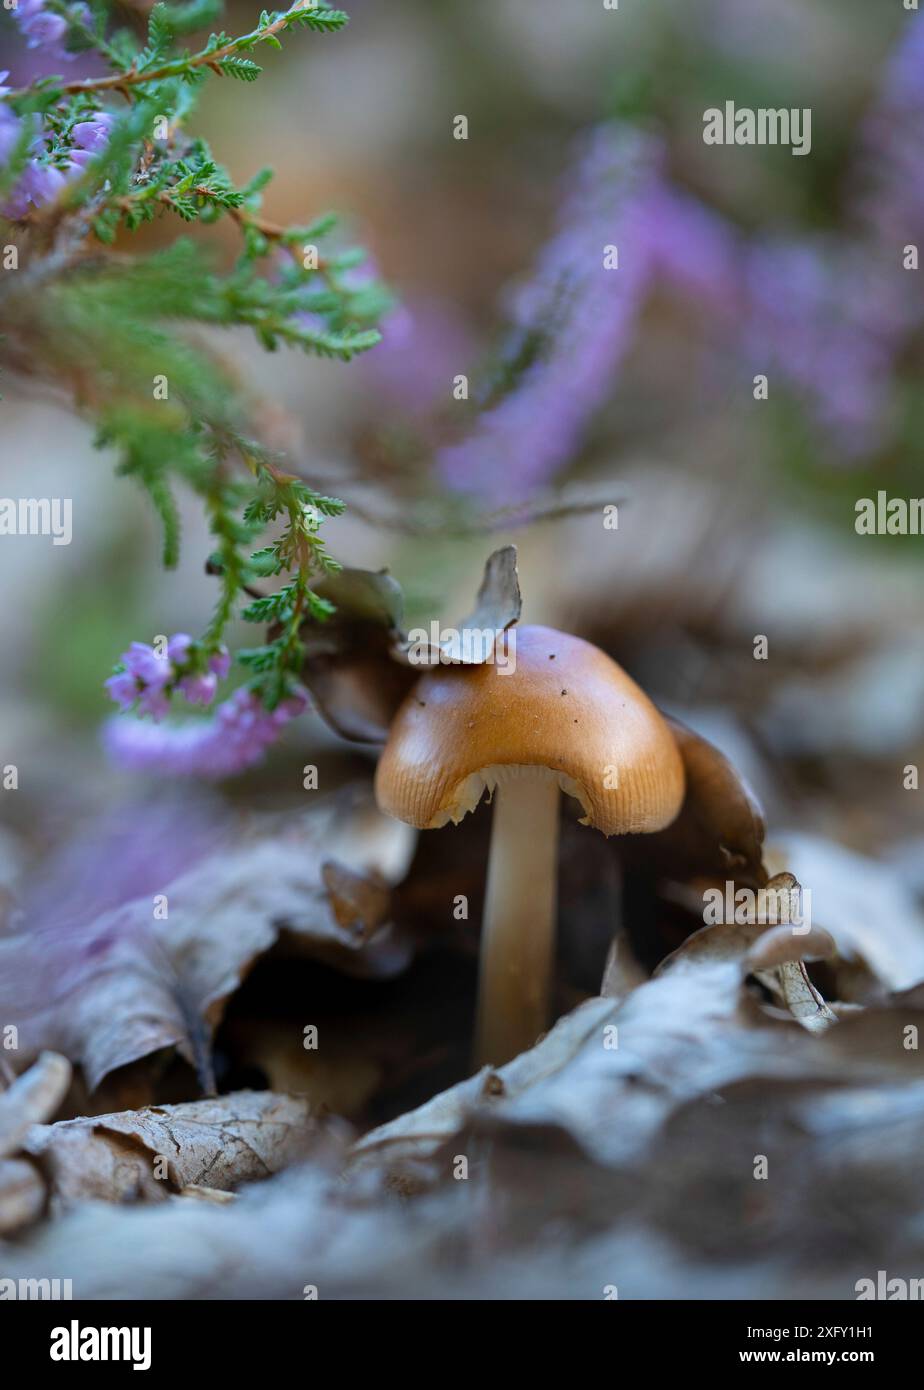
x=551, y=701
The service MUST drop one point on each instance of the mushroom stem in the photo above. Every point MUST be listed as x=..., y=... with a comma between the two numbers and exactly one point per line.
x=518, y=926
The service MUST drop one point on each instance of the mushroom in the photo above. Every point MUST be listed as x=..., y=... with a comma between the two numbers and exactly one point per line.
x=553, y=714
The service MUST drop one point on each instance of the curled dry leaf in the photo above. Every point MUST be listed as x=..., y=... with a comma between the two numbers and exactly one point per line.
x=781, y=946
x=135, y=985
x=350, y=668
x=874, y=919
x=720, y=830
x=791, y=983
x=22, y=1194
x=361, y=903
x=774, y=955
x=497, y=607
x=145, y=1155
x=33, y=1097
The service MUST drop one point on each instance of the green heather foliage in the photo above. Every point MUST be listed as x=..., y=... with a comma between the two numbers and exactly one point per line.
x=82, y=311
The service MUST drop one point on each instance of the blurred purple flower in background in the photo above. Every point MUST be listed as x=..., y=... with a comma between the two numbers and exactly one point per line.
x=819, y=315
x=423, y=346
x=71, y=907
x=695, y=251
x=235, y=738
x=39, y=26
x=890, y=174
x=583, y=314
x=824, y=315
x=220, y=663
x=9, y=133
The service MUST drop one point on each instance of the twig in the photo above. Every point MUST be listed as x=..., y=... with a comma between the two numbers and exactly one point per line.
x=210, y=58
x=480, y=523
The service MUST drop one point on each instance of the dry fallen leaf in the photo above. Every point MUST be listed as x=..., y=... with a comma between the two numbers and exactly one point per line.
x=610, y=1074
x=497, y=607
x=31, y=1098
x=22, y=1194
x=588, y=1168
x=145, y=1155
x=720, y=829
x=874, y=920
x=136, y=985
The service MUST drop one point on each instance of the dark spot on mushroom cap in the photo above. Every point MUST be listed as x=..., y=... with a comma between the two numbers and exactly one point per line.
x=564, y=692
x=551, y=656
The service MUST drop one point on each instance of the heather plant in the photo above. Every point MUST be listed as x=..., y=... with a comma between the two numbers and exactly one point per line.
x=771, y=301
x=84, y=162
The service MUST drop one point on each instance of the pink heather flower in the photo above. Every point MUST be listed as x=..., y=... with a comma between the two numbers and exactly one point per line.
x=145, y=678
x=42, y=183
x=178, y=648
x=16, y=205
x=220, y=663
x=150, y=678
x=93, y=134
x=123, y=688
x=145, y=663
x=236, y=737
x=38, y=25
x=154, y=701
x=200, y=689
